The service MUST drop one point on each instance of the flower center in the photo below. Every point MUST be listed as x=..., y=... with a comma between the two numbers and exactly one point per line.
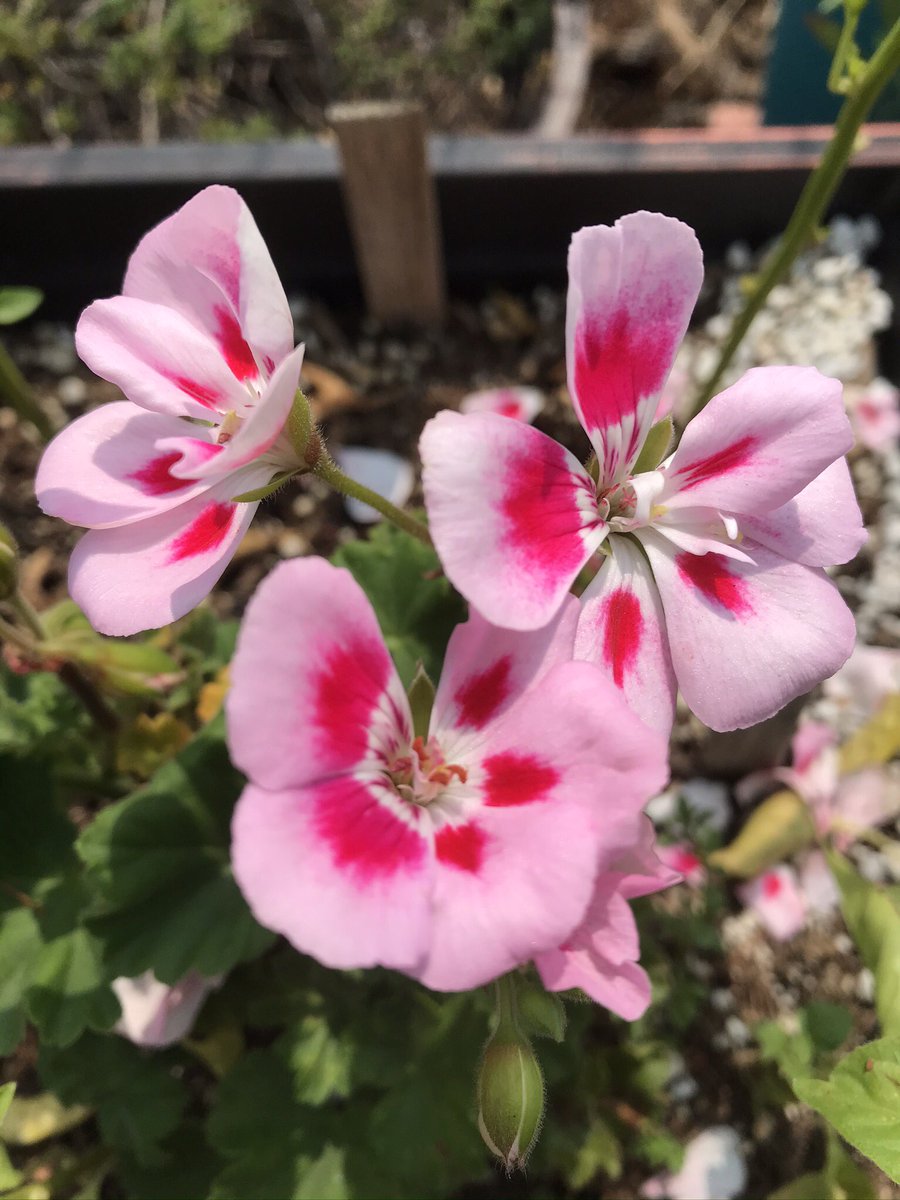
x=620, y=500
x=422, y=773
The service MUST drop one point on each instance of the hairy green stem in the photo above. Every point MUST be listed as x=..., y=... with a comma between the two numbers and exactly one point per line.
x=16, y=638
x=814, y=199
x=27, y=615
x=15, y=392
x=326, y=469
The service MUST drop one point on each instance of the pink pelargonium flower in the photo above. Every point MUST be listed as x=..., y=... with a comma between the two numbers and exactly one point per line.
x=201, y=344
x=713, y=576
x=683, y=859
x=520, y=403
x=840, y=805
x=601, y=956
x=454, y=855
x=875, y=414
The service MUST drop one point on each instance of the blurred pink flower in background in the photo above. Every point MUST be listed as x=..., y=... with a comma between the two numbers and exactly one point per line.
x=155, y=1014
x=520, y=403
x=874, y=413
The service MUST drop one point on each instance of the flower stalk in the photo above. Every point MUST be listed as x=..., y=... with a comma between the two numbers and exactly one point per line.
x=864, y=90
x=328, y=470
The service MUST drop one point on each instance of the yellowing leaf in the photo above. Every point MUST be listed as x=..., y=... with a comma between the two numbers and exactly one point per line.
x=33, y=1119
x=212, y=696
x=150, y=742
x=774, y=831
x=878, y=741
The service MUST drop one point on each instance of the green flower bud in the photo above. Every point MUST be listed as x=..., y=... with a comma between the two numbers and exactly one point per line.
x=8, y=564
x=510, y=1098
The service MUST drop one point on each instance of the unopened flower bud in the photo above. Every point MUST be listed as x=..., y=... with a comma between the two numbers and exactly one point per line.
x=302, y=432
x=8, y=564
x=510, y=1098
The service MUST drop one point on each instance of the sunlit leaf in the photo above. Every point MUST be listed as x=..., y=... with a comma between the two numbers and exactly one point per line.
x=861, y=1099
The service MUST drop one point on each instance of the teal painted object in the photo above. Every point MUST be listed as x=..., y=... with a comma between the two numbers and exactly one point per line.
x=796, y=91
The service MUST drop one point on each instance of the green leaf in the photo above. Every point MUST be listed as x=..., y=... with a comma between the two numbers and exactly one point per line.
x=601, y=1151
x=37, y=838
x=861, y=1099
x=792, y=1052
x=541, y=1013
x=655, y=447
x=20, y=945
x=828, y=1025
x=187, y=1171
x=39, y=717
x=872, y=914
x=414, y=602
x=278, y=1147
x=159, y=861
x=17, y=303
x=68, y=989
x=138, y=1101
x=320, y=1062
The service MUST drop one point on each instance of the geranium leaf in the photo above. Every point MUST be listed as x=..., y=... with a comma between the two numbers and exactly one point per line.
x=159, y=861
x=861, y=1100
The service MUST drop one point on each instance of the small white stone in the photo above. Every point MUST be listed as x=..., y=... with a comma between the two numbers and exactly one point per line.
x=865, y=986
x=72, y=391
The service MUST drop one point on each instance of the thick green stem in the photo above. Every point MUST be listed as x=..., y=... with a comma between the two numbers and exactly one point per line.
x=507, y=1005
x=18, y=395
x=333, y=475
x=814, y=199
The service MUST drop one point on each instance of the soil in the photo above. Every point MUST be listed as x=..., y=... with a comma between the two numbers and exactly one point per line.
x=72, y=76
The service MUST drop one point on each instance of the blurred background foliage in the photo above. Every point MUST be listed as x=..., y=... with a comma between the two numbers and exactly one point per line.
x=142, y=70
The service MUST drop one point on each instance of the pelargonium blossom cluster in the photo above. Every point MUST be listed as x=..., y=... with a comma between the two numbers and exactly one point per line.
x=506, y=826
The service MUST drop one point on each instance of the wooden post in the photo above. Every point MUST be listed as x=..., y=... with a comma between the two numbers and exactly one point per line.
x=392, y=209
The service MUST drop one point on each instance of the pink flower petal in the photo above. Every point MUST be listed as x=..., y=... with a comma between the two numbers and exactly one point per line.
x=621, y=630
x=760, y=442
x=682, y=858
x=512, y=514
x=820, y=890
x=311, y=657
x=383, y=472
x=156, y=1014
x=863, y=800
x=149, y=573
x=869, y=675
x=874, y=413
x=821, y=526
x=487, y=669
x=259, y=431
x=520, y=403
x=158, y=358
x=340, y=867
x=747, y=639
x=560, y=781
x=811, y=738
x=209, y=263
x=776, y=899
x=632, y=288
x=114, y=466
x=600, y=957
